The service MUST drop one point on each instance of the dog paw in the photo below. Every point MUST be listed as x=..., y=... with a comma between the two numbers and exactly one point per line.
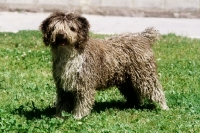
x=80, y=115
x=165, y=107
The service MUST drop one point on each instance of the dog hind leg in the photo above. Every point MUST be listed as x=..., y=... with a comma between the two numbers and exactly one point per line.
x=150, y=88
x=157, y=95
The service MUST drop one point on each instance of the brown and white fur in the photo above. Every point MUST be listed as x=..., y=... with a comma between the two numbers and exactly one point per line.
x=82, y=65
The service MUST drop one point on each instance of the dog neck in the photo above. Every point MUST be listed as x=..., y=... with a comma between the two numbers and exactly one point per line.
x=64, y=53
x=67, y=63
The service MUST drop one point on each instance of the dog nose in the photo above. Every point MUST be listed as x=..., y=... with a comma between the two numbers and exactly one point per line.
x=60, y=35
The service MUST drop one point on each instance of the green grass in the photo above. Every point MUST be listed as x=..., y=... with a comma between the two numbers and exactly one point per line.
x=27, y=91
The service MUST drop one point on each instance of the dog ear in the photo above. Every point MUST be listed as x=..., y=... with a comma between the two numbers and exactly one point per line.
x=44, y=29
x=83, y=31
x=84, y=22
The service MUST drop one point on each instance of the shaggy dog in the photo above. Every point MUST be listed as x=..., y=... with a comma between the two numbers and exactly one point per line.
x=82, y=65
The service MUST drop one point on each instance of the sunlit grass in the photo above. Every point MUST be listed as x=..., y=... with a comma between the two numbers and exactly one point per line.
x=27, y=91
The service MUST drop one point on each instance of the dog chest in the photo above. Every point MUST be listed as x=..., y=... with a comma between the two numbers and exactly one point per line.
x=66, y=71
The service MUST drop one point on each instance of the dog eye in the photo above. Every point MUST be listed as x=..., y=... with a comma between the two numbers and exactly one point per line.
x=72, y=29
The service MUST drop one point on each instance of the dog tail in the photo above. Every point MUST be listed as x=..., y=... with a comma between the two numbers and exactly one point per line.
x=151, y=34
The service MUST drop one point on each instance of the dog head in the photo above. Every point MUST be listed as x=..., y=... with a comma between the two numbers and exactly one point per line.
x=65, y=29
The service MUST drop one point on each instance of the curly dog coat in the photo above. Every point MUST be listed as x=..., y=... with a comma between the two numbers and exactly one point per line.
x=82, y=65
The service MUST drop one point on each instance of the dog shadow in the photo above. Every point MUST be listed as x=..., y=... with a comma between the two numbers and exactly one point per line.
x=38, y=113
x=35, y=113
x=102, y=106
x=120, y=105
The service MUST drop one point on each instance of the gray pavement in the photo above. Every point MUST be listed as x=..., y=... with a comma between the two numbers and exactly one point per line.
x=15, y=21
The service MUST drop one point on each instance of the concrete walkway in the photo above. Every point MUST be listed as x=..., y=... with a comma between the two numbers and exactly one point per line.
x=15, y=21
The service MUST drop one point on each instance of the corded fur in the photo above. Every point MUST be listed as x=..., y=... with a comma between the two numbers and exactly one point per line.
x=82, y=65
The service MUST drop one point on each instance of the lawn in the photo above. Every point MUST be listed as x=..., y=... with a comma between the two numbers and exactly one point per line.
x=27, y=91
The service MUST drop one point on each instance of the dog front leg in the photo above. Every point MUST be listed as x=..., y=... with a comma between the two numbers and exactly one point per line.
x=84, y=102
x=65, y=102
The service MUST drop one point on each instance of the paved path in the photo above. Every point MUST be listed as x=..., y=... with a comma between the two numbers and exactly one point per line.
x=14, y=21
